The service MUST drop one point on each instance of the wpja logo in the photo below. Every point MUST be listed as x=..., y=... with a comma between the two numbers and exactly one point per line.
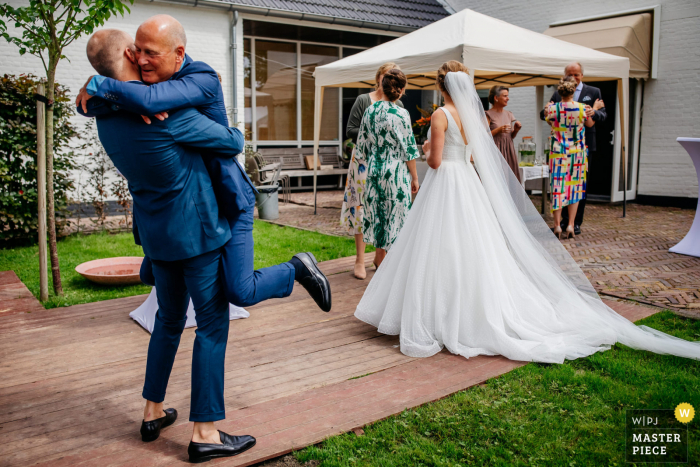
x=658, y=435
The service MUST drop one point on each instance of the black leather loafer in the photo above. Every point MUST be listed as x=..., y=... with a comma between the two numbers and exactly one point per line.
x=315, y=282
x=150, y=431
x=232, y=446
x=577, y=229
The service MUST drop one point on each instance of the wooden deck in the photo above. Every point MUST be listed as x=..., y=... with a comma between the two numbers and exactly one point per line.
x=70, y=392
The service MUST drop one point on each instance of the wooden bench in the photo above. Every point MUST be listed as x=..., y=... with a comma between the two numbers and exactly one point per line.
x=293, y=165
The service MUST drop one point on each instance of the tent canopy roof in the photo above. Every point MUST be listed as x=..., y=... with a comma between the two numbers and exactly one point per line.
x=626, y=36
x=496, y=51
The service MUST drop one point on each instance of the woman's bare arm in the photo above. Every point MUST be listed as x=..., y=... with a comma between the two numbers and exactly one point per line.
x=438, y=127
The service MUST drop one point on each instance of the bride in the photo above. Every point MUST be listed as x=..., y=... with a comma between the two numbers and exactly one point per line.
x=476, y=269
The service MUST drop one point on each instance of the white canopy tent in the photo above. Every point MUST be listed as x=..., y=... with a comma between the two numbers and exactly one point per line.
x=496, y=53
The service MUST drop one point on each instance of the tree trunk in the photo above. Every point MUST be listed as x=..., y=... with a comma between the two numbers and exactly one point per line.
x=51, y=212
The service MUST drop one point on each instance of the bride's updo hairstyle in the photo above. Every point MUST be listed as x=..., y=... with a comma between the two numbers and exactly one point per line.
x=447, y=67
x=566, y=87
x=393, y=84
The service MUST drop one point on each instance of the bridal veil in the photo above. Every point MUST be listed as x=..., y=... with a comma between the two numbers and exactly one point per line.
x=539, y=254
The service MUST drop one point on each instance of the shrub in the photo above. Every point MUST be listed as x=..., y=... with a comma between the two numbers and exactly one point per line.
x=18, y=164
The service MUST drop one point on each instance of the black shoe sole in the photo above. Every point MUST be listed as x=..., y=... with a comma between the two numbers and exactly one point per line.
x=218, y=456
x=148, y=440
x=315, y=261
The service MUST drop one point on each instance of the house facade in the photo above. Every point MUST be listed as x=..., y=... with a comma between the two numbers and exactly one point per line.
x=664, y=99
x=271, y=48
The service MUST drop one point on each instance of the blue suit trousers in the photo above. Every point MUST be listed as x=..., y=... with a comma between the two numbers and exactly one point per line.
x=243, y=285
x=176, y=282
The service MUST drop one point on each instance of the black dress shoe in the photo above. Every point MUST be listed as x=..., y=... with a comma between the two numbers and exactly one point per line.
x=232, y=446
x=577, y=229
x=315, y=282
x=150, y=431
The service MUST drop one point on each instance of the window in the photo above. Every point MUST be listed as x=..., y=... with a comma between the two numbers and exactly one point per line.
x=311, y=57
x=247, y=90
x=275, y=91
x=280, y=91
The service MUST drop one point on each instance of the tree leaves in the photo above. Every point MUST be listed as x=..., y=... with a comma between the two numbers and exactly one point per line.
x=46, y=28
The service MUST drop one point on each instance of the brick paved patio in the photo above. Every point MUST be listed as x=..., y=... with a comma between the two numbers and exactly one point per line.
x=625, y=258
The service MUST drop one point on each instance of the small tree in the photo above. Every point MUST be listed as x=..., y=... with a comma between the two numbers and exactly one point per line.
x=45, y=28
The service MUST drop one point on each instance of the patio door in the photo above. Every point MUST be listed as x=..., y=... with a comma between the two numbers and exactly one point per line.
x=601, y=162
x=636, y=90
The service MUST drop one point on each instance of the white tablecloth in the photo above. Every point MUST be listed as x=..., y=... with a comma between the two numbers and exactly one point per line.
x=690, y=245
x=533, y=173
x=145, y=315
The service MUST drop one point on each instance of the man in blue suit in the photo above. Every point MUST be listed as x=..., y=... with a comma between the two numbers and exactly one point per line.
x=182, y=231
x=178, y=82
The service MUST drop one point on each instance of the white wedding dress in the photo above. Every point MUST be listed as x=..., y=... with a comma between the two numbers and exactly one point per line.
x=476, y=270
x=145, y=314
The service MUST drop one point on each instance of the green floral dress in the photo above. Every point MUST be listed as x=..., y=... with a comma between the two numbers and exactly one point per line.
x=386, y=142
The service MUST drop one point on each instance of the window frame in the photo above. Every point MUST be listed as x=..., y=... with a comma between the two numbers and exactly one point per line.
x=298, y=142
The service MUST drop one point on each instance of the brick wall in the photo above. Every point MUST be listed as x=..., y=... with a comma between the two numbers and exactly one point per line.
x=671, y=103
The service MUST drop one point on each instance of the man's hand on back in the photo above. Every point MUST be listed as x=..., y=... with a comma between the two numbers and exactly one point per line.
x=160, y=116
x=83, y=96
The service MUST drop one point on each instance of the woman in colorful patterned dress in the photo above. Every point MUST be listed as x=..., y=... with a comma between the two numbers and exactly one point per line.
x=351, y=213
x=387, y=143
x=568, y=154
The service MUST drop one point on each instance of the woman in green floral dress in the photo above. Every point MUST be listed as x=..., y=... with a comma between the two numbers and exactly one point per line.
x=353, y=199
x=386, y=142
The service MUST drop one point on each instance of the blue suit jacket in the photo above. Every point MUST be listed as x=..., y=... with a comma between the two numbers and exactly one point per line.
x=195, y=85
x=174, y=202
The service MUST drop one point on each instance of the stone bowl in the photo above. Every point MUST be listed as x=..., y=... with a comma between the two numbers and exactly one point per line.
x=112, y=271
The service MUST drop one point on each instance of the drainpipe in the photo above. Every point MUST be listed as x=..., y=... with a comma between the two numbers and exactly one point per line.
x=234, y=60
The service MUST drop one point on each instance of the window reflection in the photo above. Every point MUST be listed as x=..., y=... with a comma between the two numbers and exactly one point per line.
x=311, y=57
x=275, y=90
x=247, y=92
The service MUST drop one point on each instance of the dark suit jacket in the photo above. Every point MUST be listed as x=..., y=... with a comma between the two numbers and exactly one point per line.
x=196, y=85
x=588, y=96
x=174, y=202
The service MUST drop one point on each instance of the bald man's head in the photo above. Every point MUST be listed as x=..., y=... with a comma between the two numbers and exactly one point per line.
x=106, y=49
x=165, y=27
x=160, y=48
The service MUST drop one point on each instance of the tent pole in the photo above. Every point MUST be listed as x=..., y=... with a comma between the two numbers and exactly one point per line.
x=621, y=94
x=318, y=107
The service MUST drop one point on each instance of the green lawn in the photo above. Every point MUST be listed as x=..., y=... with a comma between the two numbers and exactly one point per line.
x=273, y=244
x=544, y=415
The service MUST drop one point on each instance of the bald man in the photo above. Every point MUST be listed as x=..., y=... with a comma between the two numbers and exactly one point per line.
x=182, y=231
x=179, y=82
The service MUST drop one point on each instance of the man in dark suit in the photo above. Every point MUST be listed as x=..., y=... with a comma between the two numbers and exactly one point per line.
x=176, y=82
x=589, y=96
x=181, y=229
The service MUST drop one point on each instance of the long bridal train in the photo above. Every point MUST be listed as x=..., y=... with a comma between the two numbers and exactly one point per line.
x=475, y=268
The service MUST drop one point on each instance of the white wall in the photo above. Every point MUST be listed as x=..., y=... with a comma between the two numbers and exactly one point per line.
x=671, y=103
x=208, y=39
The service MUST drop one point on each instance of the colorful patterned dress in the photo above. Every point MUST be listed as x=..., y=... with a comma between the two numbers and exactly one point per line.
x=386, y=142
x=353, y=200
x=568, y=153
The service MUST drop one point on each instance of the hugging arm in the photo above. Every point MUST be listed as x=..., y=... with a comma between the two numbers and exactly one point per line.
x=192, y=90
x=600, y=115
x=194, y=130
x=96, y=108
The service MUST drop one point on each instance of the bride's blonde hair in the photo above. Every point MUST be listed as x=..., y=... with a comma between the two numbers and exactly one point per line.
x=447, y=67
